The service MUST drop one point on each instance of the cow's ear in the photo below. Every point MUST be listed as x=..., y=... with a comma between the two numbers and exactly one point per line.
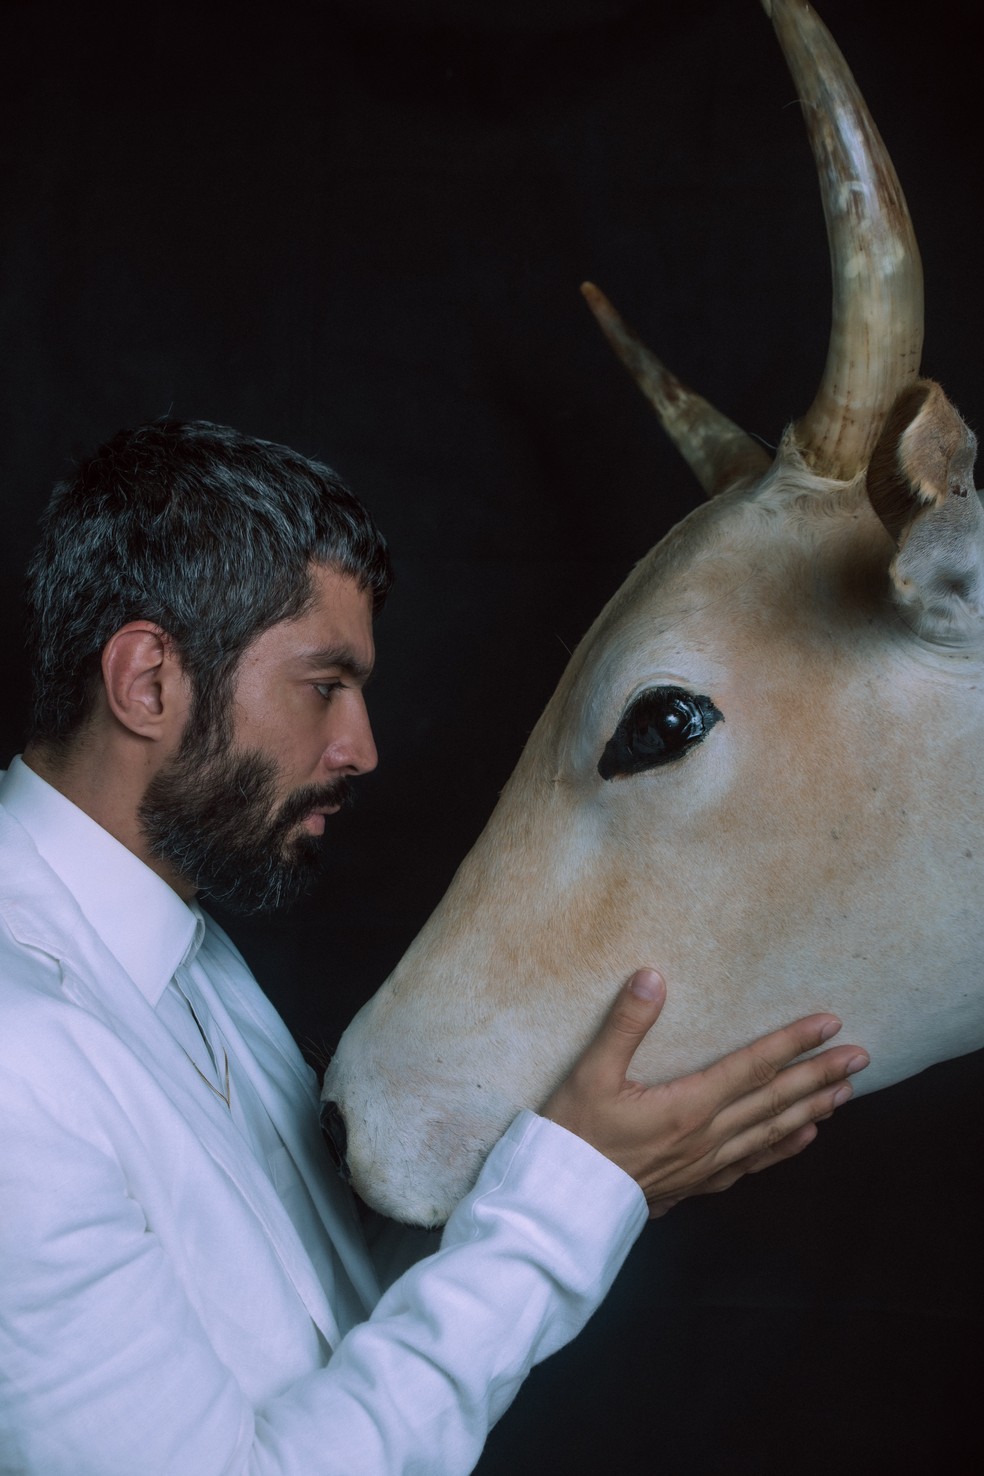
x=920, y=481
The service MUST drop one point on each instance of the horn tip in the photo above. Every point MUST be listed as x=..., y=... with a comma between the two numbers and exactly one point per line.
x=605, y=313
x=594, y=296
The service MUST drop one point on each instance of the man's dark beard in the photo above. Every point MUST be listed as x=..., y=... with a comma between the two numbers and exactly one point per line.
x=212, y=819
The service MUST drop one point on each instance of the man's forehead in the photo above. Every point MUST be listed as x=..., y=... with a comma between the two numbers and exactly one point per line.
x=334, y=591
x=340, y=602
x=333, y=631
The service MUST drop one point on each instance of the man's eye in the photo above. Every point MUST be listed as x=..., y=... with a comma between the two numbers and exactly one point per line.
x=327, y=690
x=661, y=725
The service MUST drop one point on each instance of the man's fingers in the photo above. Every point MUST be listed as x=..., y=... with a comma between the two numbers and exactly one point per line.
x=636, y=1010
x=798, y=1092
x=770, y=1131
x=716, y=1183
x=787, y=1147
x=766, y=1125
x=759, y=1064
x=700, y=1133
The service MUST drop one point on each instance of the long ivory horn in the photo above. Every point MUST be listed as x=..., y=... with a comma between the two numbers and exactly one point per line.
x=877, y=320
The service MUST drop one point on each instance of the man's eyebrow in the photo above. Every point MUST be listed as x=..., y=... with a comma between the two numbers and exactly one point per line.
x=342, y=658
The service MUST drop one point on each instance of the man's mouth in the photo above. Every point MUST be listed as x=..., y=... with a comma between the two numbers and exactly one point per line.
x=314, y=823
x=307, y=810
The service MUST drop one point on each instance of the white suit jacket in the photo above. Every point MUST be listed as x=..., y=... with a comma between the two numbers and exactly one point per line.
x=158, y=1312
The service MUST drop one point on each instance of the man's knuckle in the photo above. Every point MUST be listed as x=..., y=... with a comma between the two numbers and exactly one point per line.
x=774, y=1133
x=763, y=1070
x=698, y=1127
x=623, y=1022
x=687, y=1123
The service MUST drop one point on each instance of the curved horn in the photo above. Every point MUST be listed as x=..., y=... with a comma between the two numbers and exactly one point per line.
x=717, y=451
x=877, y=320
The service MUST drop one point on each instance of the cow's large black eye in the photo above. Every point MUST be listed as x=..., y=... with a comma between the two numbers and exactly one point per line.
x=660, y=725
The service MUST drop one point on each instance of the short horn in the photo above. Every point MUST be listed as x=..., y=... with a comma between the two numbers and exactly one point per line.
x=718, y=452
x=877, y=320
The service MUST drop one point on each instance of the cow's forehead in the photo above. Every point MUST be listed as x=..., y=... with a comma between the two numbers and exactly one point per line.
x=733, y=578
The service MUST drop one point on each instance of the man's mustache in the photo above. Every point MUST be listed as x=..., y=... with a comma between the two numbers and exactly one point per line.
x=314, y=797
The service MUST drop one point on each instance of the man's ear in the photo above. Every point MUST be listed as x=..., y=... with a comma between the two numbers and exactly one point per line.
x=920, y=482
x=146, y=689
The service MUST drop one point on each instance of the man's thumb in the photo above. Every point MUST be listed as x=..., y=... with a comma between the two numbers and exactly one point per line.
x=650, y=987
x=636, y=1010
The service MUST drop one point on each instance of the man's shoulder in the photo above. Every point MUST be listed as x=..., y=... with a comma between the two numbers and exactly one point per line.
x=38, y=1022
x=34, y=923
x=18, y=854
x=38, y=920
x=24, y=967
x=36, y=909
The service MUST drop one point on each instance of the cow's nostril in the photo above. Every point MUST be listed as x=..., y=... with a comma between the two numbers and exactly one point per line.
x=335, y=1136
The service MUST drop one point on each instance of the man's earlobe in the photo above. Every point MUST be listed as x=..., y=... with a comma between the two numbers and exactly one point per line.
x=139, y=679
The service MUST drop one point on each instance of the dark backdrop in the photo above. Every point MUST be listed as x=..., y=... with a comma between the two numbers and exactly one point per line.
x=359, y=227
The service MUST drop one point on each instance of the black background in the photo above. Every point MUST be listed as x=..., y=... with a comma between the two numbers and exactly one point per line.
x=359, y=227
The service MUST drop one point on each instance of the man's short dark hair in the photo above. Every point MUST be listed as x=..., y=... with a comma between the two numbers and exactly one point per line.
x=205, y=532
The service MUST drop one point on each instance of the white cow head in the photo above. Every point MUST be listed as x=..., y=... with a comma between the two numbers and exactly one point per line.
x=762, y=769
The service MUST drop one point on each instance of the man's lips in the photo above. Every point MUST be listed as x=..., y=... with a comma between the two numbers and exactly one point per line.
x=314, y=823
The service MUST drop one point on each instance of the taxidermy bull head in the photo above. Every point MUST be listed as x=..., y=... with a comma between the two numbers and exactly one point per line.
x=762, y=767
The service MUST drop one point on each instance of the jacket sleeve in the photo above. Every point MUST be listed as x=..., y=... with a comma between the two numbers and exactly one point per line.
x=525, y=1259
x=107, y=1369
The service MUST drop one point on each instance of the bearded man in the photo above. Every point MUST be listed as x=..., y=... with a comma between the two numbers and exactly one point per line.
x=185, y=1286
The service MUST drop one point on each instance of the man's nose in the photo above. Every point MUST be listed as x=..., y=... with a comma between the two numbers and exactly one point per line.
x=335, y=1136
x=352, y=749
x=367, y=756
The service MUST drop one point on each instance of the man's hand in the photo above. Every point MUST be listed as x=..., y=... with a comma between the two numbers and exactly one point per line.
x=700, y=1133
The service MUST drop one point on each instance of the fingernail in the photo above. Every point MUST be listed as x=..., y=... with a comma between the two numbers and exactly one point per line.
x=830, y=1029
x=857, y=1063
x=645, y=984
x=843, y=1094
